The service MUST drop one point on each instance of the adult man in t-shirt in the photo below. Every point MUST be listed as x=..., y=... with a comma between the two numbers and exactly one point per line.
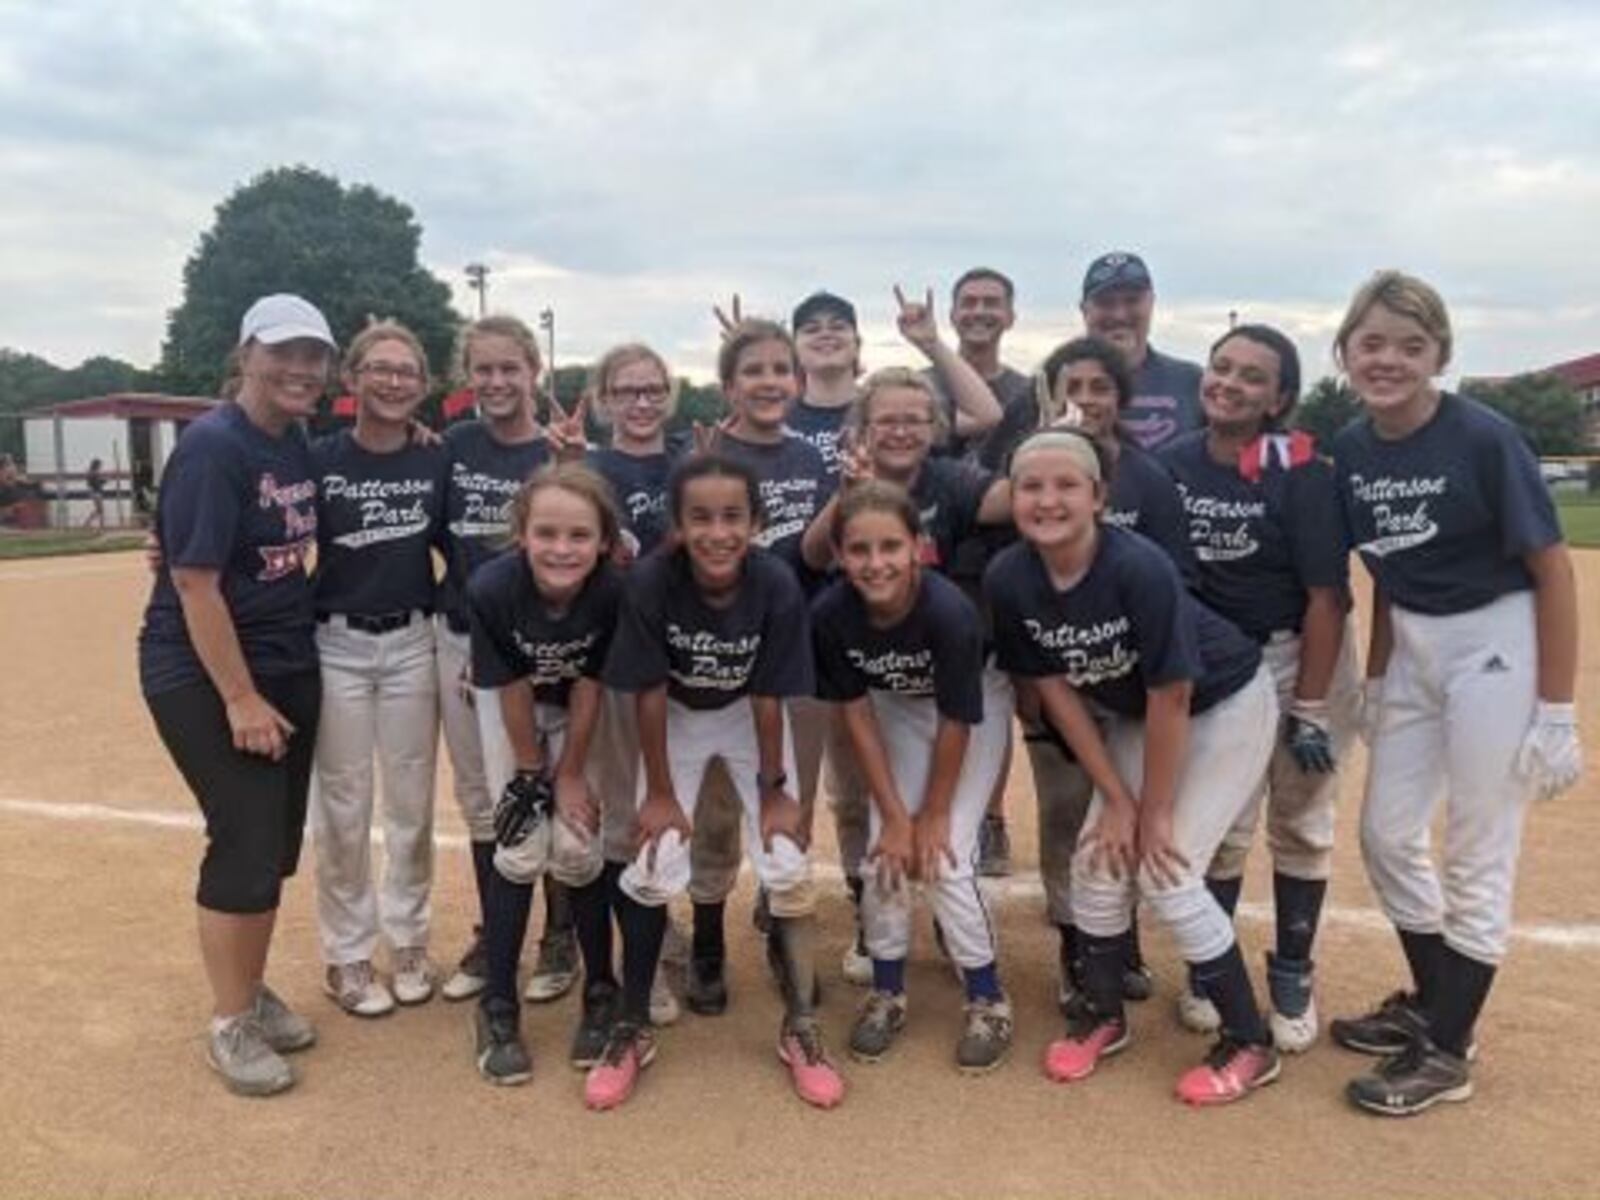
x=982, y=309
x=1118, y=300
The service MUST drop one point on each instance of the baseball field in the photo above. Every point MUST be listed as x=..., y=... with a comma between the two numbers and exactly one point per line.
x=104, y=1091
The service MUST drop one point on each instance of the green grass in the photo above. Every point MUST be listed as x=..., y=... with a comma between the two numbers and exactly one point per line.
x=53, y=543
x=1580, y=519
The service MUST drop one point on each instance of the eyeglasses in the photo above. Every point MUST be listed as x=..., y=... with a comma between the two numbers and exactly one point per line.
x=905, y=423
x=651, y=393
x=391, y=371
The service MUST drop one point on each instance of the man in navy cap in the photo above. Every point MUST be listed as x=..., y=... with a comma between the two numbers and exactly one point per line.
x=1118, y=299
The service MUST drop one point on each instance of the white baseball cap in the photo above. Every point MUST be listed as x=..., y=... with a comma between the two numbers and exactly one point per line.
x=282, y=318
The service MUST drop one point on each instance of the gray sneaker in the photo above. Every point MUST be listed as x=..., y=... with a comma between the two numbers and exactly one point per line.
x=238, y=1051
x=284, y=1029
x=1412, y=1082
x=497, y=1044
x=882, y=1017
x=472, y=975
x=557, y=968
x=986, y=1042
x=994, y=847
x=1387, y=1030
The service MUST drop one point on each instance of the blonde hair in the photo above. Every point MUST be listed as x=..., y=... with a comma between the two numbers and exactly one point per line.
x=384, y=329
x=612, y=361
x=860, y=414
x=1406, y=296
x=497, y=325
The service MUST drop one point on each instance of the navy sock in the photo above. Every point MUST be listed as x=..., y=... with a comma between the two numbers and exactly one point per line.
x=1133, y=954
x=983, y=983
x=709, y=944
x=1071, y=955
x=1225, y=982
x=482, y=871
x=1298, y=903
x=889, y=975
x=1463, y=987
x=505, y=924
x=557, y=908
x=1423, y=954
x=1103, y=961
x=643, y=927
x=1226, y=892
x=591, y=918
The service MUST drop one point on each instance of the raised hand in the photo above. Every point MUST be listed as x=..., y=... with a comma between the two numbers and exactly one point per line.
x=567, y=432
x=855, y=457
x=916, y=320
x=708, y=437
x=729, y=320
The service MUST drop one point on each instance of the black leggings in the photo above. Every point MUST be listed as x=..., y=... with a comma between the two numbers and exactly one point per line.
x=255, y=808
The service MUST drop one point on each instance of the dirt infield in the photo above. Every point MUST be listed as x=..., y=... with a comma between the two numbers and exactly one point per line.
x=103, y=1090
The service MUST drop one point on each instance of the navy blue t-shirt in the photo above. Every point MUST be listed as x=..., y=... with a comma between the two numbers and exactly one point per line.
x=948, y=494
x=760, y=645
x=485, y=476
x=1143, y=497
x=935, y=650
x=639, y=483
x=239, y=501
x=1260, y=545
x=516, y=636
x=823, y=428
x=1444, y=516
x=1019, y=416
x=1165, y=401
x=1127, y=626
x=378, y=516
x=795, y=487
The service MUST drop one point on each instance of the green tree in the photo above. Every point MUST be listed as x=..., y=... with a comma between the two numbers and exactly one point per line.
x=1547, y=411
x=28, y=381
x=352, y=251
x=1328, y=407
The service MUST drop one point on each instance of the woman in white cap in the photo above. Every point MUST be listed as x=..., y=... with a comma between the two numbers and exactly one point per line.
x=228, y=666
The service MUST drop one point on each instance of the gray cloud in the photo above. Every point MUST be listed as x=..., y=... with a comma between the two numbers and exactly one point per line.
x=630, y=165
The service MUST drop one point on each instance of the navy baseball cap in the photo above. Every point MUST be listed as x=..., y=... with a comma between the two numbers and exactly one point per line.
x=1118, y=269
x=820, y=303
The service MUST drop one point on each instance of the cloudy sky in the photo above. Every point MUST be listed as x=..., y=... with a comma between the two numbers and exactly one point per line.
x=630, y=164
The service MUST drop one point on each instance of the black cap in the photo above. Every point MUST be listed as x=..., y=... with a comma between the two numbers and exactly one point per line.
x=818, y=303
x=1118, y=269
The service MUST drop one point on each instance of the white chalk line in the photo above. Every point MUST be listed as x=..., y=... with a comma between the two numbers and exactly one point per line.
x=1021, y=886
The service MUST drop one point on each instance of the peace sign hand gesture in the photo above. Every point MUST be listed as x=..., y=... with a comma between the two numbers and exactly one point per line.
x=855, y=457
x=708, y=436
x=728, y=320
x=566, y=431
x=916, y=321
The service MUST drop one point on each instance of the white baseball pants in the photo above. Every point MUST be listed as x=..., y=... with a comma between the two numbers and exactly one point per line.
x=1458, y=697
x=908, y=725
x=461, y=736
x=379, y=695
x=1228, y=749
x=1300, y=806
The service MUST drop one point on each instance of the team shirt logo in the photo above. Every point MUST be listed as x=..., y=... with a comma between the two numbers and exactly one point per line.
x=555, y=663
x=1399, y=510
x=485, y=503
x=1088, y=654
x=382, y=507
x=1220, y=530
x=908, y=673
x=703, y=660
x=299, y=525
x=789, y=505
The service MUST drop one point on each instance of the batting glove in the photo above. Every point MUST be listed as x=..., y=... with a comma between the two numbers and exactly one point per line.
x=1306, y=734
x=1371, y=715
x=1551, y=758
x=526, y=802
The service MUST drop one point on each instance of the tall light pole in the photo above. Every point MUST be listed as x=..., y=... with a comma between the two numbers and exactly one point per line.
x=547, y=322
x=477, y=275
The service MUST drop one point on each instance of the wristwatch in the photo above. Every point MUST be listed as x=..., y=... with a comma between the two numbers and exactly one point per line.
x=772, y=783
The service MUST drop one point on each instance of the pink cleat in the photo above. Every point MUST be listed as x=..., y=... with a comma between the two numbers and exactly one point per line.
x=1090, y=1037
x=816, y=1081
x=1230, y=1072
x=629, y=1050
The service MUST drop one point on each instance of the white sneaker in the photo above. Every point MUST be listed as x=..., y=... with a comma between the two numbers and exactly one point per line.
x=856, y=966
x=238, y=1051
x=414, y=976
x=356, y=989
x=1197, y=1014
x=471, y=976
x=664, y=1009
x=1294, y=1035
x=556, y=970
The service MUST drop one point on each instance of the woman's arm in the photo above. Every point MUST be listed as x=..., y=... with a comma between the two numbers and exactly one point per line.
x=572, y=787
x=1555, y=608
x=258, y=728
x=521, y=725
x=995, y=508
x=977, y=411
x=1321, y=638
x=780, y=811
